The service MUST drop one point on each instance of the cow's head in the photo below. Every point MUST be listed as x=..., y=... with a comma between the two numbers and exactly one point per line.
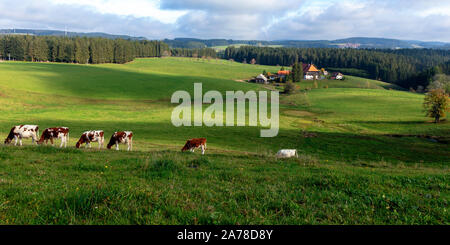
x=10, y=136
x=81, y=141
x=112, y=141
x=42, y=139
x=7, y=141
x=186, y=147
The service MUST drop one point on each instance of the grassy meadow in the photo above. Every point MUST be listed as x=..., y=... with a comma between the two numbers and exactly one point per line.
x=367, y=153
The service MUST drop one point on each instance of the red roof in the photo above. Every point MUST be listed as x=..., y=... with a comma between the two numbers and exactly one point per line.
x=284, y=72
x=309, y=68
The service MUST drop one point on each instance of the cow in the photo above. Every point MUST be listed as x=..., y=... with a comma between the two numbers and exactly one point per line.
x=287, y=153
x=92, y=136
x=193, y=144
x=124, y=137
x=23, y=132
x=55, y=133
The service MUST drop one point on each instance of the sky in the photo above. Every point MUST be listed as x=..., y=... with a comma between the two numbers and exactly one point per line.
x=426, y=20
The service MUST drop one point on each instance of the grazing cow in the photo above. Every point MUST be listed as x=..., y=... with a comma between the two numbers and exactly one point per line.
x=193, y=144
x=23, y=131
x=287, y=153
x=92, y=136
x=55, y=133
x=125, y=137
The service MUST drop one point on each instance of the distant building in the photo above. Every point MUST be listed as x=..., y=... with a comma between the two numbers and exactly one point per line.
x=337, y=76
x=261, y=79
x=283, y=73
x=311, y=72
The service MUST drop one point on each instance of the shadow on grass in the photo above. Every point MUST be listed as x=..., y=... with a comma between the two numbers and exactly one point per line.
x=110, y=83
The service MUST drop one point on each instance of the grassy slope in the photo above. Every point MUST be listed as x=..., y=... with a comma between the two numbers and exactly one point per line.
x=342, y=177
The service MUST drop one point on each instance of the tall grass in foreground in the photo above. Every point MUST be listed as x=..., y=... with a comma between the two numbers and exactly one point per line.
x=166, y=187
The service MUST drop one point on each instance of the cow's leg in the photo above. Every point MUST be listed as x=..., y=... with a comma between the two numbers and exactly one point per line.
x=65, y=137
x=130, y=145
x=203, y=149
x=51, y=141
x=117, y=145
x=20, y=141
x=16, y=140
x=62, y=142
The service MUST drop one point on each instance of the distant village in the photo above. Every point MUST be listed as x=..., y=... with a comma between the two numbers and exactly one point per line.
x=310, y=72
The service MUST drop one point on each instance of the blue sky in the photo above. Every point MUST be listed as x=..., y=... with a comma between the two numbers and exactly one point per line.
x=427, y=20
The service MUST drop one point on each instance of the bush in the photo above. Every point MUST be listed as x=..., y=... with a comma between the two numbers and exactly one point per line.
x=289, y=88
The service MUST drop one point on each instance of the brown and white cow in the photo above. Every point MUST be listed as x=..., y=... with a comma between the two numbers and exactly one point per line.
x=125, y=137
x=193, y=144
x=55, y=133
x=92, y=136
x=23, y=132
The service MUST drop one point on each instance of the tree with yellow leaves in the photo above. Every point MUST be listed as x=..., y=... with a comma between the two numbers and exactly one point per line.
x=436, y=104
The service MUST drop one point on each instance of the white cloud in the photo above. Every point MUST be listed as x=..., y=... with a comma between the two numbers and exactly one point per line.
x=135, y=8
x=391, y=19
x=237, y=19
x=47, y=15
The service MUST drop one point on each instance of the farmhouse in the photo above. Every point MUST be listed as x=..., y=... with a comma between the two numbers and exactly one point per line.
x=337, y=76
x=311, y=72
x=261, y=79
x=283, y=73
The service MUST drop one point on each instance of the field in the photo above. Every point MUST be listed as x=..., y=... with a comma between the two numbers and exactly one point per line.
x=367, y=153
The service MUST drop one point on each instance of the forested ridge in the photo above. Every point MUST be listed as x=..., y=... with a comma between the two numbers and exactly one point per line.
x=196, y=52
x=404, y=67
x=81, y=50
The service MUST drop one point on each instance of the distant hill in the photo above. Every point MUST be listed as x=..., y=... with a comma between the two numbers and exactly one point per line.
x=354, y=42
x=63, y=33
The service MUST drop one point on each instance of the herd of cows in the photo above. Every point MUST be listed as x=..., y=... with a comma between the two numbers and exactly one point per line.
x=18, y=133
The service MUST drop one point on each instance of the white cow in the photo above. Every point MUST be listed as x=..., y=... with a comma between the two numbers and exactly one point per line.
x=287, y=153
x=124, y=137
x=23, y=132
x=91, y=136
x=55, y=133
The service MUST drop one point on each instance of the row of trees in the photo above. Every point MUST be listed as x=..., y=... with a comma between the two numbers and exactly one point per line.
x=195, y=53
x=77, y=50
x=393, y=66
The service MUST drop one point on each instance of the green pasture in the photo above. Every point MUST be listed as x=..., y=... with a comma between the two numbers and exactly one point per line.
x=368, y=155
